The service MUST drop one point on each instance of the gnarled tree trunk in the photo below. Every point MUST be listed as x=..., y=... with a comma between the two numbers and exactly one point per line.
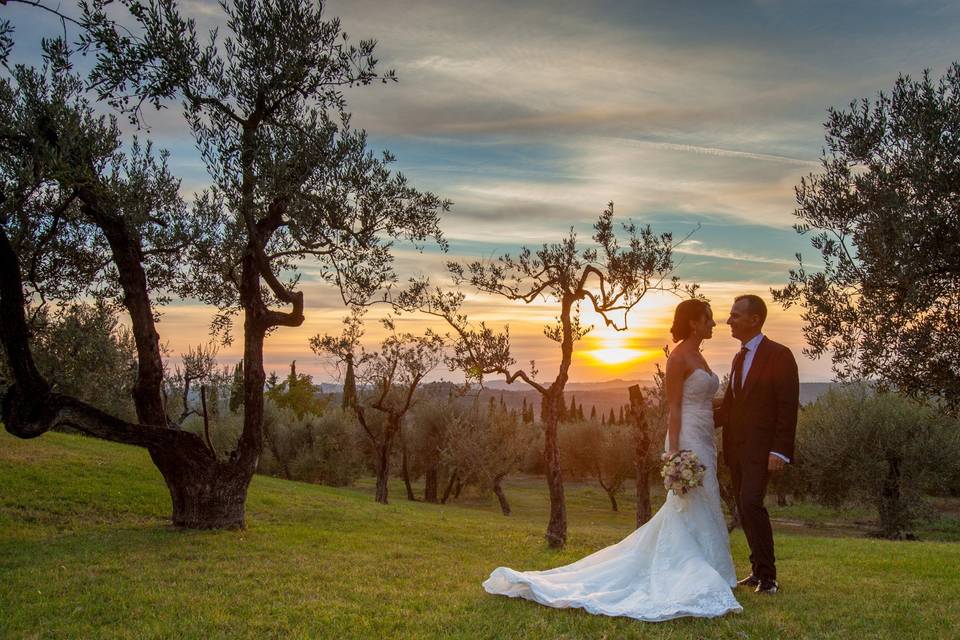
x=383, y=474
x=206, y=494
x=613, y=499
x=641, y=439
x=611, y=492
x=405, y=470
x=382, y=463
x=450, y=483
x=557, y=526
x=891, y=508
x=430, y=482
x=501, y=496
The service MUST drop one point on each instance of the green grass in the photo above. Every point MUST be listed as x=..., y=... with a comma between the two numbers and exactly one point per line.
x=86, y=552
x=943, y=523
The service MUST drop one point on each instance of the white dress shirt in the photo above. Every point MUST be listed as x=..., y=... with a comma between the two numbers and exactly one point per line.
x=751, y=347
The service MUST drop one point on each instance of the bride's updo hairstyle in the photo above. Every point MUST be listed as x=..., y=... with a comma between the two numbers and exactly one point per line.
x=686, y=312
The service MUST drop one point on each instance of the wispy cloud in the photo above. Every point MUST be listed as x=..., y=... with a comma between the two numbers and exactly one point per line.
x=697, y=248
x=730, y=153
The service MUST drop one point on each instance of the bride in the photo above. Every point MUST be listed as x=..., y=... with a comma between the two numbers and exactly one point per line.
x=677, y=564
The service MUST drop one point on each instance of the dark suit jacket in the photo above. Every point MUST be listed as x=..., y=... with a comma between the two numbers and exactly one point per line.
x=763, y=418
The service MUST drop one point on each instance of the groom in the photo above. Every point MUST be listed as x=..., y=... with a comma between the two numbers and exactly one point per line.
x=759, y=419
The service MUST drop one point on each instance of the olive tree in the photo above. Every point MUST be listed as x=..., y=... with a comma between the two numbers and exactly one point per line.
x=484, y=446
x=609, y=276
x=884, y=215
x=387, y=384
x=648, y=425
x=292, y=180
x=427, y=434
x=604, y=453
x=879, y=448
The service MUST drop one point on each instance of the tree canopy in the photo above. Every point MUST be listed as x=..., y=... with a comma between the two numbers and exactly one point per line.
x=884, y=214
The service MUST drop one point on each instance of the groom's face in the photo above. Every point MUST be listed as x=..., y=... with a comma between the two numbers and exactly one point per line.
x=743, y=324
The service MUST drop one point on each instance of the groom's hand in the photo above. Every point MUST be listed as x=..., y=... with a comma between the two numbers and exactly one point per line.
x=774, y=463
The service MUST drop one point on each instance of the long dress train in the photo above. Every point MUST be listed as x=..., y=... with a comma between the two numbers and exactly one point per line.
x=677, y=564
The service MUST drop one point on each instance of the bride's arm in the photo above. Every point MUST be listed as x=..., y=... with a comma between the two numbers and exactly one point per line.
x=673, y=384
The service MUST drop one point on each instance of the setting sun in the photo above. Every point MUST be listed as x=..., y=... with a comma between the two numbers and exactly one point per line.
x=608, y=347
x=617, y=355
x=614, y=348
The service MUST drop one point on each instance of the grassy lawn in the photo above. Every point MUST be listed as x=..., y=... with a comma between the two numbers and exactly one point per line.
x=85, y=552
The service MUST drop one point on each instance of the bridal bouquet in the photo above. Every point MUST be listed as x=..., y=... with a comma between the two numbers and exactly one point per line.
x=682, y=471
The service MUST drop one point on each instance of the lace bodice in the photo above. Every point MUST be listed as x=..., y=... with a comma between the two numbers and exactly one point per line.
x=699, y=389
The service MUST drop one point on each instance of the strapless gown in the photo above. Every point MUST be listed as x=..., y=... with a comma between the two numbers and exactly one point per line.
x=677, y=564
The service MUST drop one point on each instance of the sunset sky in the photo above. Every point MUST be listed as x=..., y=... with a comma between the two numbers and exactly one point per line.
x=531, y=116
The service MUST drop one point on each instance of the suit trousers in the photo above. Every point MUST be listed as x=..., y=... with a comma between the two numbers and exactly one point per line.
x=750, y=479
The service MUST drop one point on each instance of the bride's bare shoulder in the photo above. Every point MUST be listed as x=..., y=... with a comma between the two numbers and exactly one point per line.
x=679, y=360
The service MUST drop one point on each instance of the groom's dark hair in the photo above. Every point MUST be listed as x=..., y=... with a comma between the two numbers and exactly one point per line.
x=755, y=306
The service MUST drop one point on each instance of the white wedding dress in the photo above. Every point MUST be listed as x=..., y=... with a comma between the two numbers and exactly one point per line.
x=677, y=564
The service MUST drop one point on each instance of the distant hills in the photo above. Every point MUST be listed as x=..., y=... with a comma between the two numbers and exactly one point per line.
x=810, y=391
x=575, y=386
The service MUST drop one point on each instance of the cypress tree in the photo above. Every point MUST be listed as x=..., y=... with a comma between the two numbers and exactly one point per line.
x=236, y=389
x=213, y=401
x=349, y=385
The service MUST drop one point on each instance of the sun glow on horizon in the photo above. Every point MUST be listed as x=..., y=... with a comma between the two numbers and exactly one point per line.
x=613, y=349
x=610, y=350
x=617, y=355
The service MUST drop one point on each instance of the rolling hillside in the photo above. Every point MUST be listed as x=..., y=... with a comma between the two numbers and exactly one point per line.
x=86, y=552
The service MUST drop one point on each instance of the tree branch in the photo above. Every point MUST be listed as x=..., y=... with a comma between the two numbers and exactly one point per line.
x=34, y=3
x=520, y=373
x=28, y=418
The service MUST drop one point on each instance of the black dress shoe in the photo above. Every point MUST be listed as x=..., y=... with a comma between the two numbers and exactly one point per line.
x=768, y=587
x=750, y=581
